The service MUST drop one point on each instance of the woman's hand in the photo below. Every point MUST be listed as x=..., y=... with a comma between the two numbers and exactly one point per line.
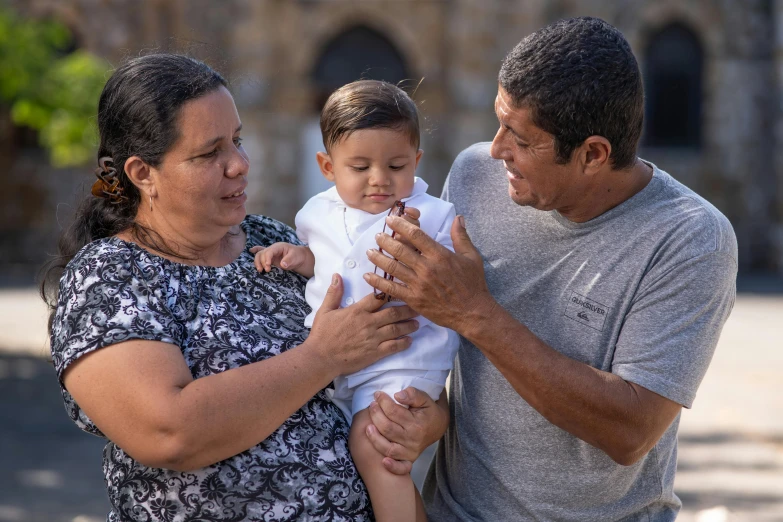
x=402, y=434
x=352, y=338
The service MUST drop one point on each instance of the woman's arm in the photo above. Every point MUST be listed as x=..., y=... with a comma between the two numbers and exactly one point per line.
x=142, y=396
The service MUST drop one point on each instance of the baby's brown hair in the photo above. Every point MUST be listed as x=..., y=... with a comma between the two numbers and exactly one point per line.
x=368, y=104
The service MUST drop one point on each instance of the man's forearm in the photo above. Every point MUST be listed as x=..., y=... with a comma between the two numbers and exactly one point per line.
x=598, y=407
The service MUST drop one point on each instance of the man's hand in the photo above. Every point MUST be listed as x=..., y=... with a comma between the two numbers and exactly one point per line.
x=412, y=216
x=446, y=287
x=402, y=434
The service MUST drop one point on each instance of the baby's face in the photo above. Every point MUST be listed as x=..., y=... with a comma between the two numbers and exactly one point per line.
x=372, y=168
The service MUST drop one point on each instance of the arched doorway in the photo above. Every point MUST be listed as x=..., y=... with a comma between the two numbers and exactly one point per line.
x=673, y=86
x=356, y=53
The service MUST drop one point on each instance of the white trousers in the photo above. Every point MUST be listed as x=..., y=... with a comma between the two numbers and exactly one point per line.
x=352, y=400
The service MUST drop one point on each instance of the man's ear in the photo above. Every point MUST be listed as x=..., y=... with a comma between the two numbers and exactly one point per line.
x=325, y=164
x=418, y=157
x=140, y=174
x=594, y=154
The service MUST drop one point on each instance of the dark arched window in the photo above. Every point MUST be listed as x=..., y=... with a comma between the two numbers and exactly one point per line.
x=673, y=82
x=358, y=53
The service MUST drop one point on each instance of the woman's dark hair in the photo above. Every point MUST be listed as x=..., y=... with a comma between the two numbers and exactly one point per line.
x=579, y=78
x=368, y=104
x=137, y=116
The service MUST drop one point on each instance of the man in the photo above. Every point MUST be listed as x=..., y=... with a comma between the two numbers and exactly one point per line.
x=589, y=301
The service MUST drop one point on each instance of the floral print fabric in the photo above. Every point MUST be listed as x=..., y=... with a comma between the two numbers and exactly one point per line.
x=221, y=318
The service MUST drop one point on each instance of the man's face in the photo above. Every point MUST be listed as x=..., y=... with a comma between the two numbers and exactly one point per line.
x=535, y=179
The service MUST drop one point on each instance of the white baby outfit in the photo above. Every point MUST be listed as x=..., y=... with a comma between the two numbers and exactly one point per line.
x=339, y=237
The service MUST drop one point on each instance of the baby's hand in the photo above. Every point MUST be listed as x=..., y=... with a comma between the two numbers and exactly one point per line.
x=285, y=256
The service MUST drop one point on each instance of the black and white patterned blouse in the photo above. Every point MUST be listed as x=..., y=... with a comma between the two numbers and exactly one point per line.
x=221, y=318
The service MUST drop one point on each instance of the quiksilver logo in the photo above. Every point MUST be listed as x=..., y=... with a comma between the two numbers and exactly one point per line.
x=586, y=311
x=589, y=306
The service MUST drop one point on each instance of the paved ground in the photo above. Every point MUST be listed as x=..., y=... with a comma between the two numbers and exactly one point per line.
x=731, y=442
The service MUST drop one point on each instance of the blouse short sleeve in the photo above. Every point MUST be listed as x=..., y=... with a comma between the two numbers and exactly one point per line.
x=104, y=299
x=102, y=302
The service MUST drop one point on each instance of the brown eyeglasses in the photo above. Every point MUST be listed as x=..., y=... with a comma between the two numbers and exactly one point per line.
x=397, y=210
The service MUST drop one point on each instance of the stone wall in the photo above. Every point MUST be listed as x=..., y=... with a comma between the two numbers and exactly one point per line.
x=269, y=49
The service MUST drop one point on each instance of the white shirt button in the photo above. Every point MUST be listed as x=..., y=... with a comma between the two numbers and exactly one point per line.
x=350, y=263
x=349, y=301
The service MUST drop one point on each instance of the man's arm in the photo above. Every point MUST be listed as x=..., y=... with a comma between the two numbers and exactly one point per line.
x=621, y=418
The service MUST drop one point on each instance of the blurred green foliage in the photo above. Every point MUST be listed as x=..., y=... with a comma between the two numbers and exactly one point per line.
x=48, y=90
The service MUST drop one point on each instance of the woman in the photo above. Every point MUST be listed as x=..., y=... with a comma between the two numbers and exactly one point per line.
x=168, y=342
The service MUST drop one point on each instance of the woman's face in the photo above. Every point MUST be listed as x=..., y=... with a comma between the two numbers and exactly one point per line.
x=199, y=187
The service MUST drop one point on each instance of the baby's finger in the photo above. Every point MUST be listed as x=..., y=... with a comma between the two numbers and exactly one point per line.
x=413, y=212
x=287, y=260
x=257, y=262
x=261, y=261
x=257, y=248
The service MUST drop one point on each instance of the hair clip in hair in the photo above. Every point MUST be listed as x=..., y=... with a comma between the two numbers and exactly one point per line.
x=107, y=185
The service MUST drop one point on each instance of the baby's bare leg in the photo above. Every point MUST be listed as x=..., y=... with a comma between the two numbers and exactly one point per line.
x=394, y=497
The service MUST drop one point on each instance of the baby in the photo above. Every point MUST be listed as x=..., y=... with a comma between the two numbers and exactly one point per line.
x=371, y=133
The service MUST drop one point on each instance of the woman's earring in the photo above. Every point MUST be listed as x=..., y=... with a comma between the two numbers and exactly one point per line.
x=150, y=202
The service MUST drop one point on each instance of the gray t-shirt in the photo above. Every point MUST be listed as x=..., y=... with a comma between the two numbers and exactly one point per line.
x=641, y=291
